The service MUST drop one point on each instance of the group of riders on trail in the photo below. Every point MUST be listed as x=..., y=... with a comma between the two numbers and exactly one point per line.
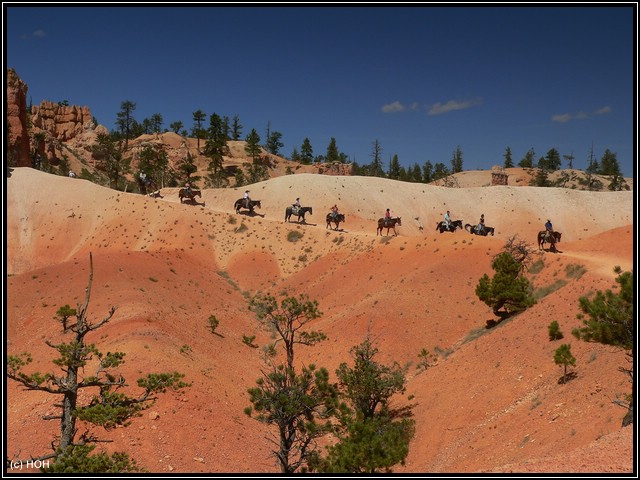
x=447, y=224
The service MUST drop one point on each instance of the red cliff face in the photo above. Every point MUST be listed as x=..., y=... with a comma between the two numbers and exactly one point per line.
x=18, y=140
x=63, y=122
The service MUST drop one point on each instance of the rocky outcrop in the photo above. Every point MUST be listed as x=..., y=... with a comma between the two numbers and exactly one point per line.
x=63, y=122
x=499, y=176
x=18, y=141
x=54, y=124
x=334, y=168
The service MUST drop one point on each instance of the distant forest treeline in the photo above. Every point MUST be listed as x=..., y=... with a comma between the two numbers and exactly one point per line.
x=111, y=150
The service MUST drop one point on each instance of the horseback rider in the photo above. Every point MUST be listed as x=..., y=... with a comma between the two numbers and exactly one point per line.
x=447, y=220
x=296, y=205
x=334, y=211
x=387, y=217
x=246, y=198
x=480, y=227
x=549, y=229
x=187, y=188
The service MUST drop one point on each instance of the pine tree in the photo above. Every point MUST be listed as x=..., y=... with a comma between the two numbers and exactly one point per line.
x=306, y=152
x=156, y=122
x=197, y=131
x=509, y=289
x=236, y=128
x=394, y=168
x=527, y=161
x=508, y=161
x=372, y=437
x=215, y=148
x=252, y=147
x=296, y=404
x=332, y=151
x=125, y=120
x=274, y=144
x=609, y=319
x=564, y=358
x=456, y=161
x=108, y=408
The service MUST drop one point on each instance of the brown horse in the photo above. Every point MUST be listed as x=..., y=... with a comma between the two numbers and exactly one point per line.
x=391, y=224
x=182, y=193
x=551, y=239
x=240, y=203
x=300, y=213
x=339, y=219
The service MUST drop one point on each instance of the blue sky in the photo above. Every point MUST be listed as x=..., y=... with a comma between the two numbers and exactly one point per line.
x=422, y=80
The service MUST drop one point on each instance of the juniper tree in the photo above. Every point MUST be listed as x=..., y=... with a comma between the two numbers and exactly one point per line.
x=109, y=406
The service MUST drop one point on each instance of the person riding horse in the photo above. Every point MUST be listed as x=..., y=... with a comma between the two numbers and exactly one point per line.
x=334, y=212
x=387, y=217
x=480, y=227
x=247, y=200
x=296, y=206
x=549, y=229
x=447, y=220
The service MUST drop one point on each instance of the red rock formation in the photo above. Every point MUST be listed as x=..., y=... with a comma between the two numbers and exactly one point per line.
x=17, y=120
x=63, y=122
x=498, y=176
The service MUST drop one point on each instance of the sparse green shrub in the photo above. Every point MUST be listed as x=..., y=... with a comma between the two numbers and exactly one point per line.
x=574, y=270
x=232, y=220
x=426, y=359
x=564, y=358
x=248, y=340
x=554, y=331
x=536, y=267
x=185, y=349
x=294, y=235
x=213, y=323
x=241, y=228
x=544, y=291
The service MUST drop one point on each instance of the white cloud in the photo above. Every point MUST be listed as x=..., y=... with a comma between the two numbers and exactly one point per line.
x=440, y=108
x=36, y=34
x=393, y=107
x=566, y=117
x=414, y=106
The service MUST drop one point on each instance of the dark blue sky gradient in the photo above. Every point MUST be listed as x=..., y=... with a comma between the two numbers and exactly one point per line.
x=421, y=80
